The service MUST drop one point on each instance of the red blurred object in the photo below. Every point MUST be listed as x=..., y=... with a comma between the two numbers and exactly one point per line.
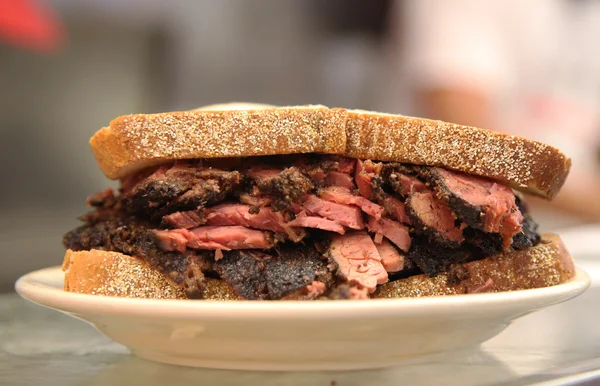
x=27, y=24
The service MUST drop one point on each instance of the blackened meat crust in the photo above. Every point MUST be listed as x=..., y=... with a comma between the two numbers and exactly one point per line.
x=179, y=189
x=139, y=241
x=255, y=275
x=390, y=174
x=433, y=259
x=529, y=235
x=103, y=199
x=434, y=234
x=489, y=244
x=96, y=235
x=468, y=213
x=503, y=217
x=286, y=188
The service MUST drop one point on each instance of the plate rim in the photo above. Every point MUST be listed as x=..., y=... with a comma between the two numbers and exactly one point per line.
x=30, y=287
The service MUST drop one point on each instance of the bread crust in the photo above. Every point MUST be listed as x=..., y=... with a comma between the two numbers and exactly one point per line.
x=547, y=264
x=105, y=273
x=525, y=165
x=133, y=142
x=99, y=272
x=114, y=274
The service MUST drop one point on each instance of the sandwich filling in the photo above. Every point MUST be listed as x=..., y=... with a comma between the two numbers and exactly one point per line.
x=303, y=227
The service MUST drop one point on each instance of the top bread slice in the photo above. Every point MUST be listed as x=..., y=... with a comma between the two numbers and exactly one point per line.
x=133, y=142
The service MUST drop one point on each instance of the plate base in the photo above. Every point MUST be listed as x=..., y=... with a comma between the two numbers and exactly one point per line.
x=293, y=366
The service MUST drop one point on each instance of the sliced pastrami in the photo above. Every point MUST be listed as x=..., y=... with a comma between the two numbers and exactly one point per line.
x=262, y=218
x=395, y=209
x=368, y=179
x=344, y=196
x=214, y=237
x=186, y=220
x=433, y=217
x=346, y=215
x=304, y=221
x=529, y=235
x=177, y=240
x=402, y=180
x=291, y=270
x=179, y=188
x=285, y=186
x=392, y=230
x=358, y=260
x=433, y=258
x=391, y=258
x=479, y=202
x=344, y=164
x=344, y=180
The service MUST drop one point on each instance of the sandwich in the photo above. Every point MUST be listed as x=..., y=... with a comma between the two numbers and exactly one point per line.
x=255, y=202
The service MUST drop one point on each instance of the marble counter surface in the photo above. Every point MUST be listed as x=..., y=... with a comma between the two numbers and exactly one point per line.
x=558, y=345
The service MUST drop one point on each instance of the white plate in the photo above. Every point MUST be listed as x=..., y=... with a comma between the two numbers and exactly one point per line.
x=295, y=335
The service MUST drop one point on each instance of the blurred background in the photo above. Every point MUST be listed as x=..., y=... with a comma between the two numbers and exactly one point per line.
x=68, y=67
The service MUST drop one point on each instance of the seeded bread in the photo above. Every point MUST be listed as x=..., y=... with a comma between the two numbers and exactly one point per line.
x=544, y=265
x=133, y=142
x=114, y=274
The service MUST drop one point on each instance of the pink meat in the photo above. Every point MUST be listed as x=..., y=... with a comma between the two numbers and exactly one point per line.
x=305, y=221
x=345, y=165
x=346, y=215
x=395, y=209
x=173, y=240
x=435, y=214
x=340, y=179
x=315, y=289
x=365, y=172
x=358, y=260
x=501, y=214
x=230, y=237
x=392, y=260
x=344, y=196
x=213, y=238
x=410, y=184
x=239, y=214
x=263, y=173
x=392, y=230
x=186, y=220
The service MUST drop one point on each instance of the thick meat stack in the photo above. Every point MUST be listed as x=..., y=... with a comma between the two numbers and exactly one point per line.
x=301, y=227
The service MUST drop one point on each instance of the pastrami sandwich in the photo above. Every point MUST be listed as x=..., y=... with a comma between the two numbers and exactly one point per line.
x=261, y=202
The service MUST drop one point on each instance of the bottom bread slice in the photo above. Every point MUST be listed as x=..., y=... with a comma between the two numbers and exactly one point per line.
x=546, y=264
x=99, y=272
